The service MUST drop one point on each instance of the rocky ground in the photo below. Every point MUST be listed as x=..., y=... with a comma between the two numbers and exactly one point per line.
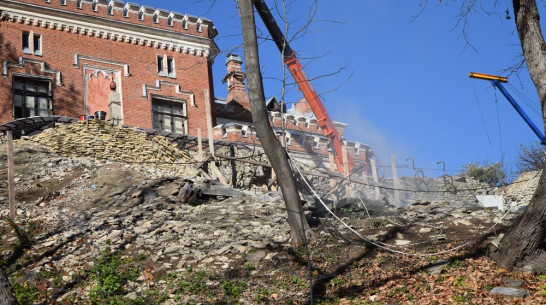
x=91, y=230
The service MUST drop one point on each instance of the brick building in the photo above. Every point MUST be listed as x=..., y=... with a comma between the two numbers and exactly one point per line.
x=145, y=67
x=303, y=137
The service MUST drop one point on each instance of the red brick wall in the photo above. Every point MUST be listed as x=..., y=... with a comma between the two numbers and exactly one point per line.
x=193, y=72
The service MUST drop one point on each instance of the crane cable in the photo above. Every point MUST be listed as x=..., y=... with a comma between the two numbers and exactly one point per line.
x=483, y=120
x=499, y=125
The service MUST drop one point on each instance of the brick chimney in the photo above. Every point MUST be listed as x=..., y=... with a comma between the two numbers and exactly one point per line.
x=235, y=81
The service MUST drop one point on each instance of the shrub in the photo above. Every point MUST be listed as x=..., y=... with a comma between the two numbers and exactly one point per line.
x=491, y=174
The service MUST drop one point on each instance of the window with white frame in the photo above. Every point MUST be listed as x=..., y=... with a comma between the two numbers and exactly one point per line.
x=63, y=2
x=141, y=15
x=169, y=115
x=126, y=12
x=32, y=43
x=94, y=6
x=110, y=9
x=79, y=4
x=170, y=21
x=165, y=66
x=31, y=97
x=156, y=18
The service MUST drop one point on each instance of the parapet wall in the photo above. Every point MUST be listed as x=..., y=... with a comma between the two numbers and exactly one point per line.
x=300, y=141
x=129, y=12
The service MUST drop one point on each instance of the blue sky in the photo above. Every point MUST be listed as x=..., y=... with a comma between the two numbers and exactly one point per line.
x=404, y=86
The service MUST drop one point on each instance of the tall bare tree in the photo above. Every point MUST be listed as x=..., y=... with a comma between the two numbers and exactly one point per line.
x=299, y=227
x=524, y=246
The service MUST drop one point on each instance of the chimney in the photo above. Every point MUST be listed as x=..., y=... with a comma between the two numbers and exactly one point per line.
x=235, y=81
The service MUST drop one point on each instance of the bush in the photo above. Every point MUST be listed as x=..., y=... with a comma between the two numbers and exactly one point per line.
x=530, y=157
x=491, y=174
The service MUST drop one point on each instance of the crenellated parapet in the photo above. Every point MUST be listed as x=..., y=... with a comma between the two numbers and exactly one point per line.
x=297, y=141
x=117, y=21
x=300, y=123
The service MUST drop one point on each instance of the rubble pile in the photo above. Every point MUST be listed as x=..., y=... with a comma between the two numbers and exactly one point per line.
x=101, y=140
x=522, y=189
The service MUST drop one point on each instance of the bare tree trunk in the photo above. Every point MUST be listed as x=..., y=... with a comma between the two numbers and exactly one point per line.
x=299, y=227
x=523, y=247
x=6, y=293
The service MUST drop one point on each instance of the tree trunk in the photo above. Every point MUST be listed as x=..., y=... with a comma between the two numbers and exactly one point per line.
x=523, y=247
x=299, y=227
x=6, y=293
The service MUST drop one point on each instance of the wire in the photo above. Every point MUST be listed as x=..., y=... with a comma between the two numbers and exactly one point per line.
x=483, y=120
x=499, y=124
x=379, y=244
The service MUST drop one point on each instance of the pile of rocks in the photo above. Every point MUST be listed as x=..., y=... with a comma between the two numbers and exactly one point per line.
x=521, y=190
x=101, y=140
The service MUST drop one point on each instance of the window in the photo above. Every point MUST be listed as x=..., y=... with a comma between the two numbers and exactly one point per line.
x=37, y=39
x=63, y=2
x=141, y=15
x=32, y=43
x=79, y=4
x=94, y=6
x=126, y=12
x=31, y=97
x=170, y=21
x=26, y=43
x=184, y=24
x=156, y=18
x=165, y=66
x=170, y=67
x=169, y=115
x=110, y=9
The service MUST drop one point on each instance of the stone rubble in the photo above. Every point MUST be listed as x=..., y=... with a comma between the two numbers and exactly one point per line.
x=91, y=199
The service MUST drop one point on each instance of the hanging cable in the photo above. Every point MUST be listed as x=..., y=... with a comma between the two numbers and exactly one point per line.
x=483, y=120
x=499, y=125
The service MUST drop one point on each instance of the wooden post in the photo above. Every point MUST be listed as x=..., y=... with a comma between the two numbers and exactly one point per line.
x=199, y=144
x=233, y=166
x=209, y=122
x=215, y=171
x=395, y=179
x=332, y=168
x=346, y=170
x=365, y=174
x=375, y=179
x=11, y=180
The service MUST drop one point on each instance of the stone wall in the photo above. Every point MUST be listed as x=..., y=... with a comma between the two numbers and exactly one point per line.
x=101, y=140
x=522, y=189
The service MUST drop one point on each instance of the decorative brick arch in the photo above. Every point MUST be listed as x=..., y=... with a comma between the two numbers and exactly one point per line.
x=98, y=89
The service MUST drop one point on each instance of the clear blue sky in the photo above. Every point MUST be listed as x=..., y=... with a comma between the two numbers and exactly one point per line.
x=405, y=88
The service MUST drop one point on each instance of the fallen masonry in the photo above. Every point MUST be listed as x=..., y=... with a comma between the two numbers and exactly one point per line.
x=170, y=220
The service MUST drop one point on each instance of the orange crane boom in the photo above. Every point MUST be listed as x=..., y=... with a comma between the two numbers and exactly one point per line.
x=304, y=84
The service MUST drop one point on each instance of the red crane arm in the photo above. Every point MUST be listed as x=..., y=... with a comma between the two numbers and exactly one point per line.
x=296, y=69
